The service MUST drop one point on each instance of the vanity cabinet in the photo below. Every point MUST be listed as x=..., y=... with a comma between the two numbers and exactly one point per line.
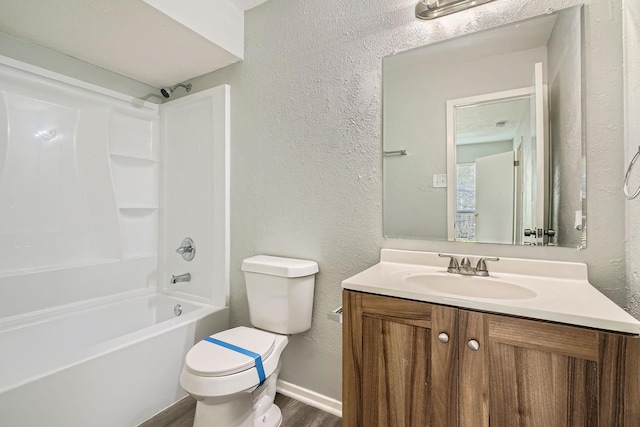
x=410, y=363
x=396, y=372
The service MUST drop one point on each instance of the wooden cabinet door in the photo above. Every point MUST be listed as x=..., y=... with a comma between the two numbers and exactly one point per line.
x=396, y=372
x=619, y=380
x=529, y=373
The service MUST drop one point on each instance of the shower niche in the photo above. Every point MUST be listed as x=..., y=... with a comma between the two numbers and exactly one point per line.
x=134, y=159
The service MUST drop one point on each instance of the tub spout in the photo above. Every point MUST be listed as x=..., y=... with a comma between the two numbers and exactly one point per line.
x=186, y=277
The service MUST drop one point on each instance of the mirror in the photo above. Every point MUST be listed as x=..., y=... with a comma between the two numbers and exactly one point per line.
x=483, y=139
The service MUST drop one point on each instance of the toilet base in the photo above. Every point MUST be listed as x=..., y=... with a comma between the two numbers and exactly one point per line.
x=271, y=418
x=236, y=413
x=246, y=409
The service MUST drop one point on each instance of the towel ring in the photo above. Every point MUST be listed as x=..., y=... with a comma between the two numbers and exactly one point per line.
x=626, y=178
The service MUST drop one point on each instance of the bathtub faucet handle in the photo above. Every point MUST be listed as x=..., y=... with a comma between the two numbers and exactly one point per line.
x=186, y=277
x=187, y=249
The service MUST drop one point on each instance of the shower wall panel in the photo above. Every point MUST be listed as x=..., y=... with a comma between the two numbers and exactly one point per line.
x=79, y=184
x=195, y=194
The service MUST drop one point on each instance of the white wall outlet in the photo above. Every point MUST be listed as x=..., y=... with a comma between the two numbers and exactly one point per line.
x=440, y=180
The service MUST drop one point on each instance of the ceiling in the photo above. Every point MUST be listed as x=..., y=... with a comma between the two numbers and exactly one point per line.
x=490, y=121
x=247, y=4
x=128, y=37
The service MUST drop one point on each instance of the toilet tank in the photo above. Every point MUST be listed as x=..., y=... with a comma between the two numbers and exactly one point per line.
x=280, y=292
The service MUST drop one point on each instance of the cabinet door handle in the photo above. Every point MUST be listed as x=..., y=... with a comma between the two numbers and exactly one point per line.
x=474, y=345
x=443, y=338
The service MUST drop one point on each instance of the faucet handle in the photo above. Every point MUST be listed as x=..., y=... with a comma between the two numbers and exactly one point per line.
x=187, y=249
x=454, y=267
x=183, y=249
x=465, y=263
x=481, y=267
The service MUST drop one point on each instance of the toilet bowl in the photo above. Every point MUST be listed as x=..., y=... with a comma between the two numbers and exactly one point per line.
x=233, y=374
x=226, y=383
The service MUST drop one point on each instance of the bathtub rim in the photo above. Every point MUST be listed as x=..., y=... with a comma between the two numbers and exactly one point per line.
x=122, y=341
x=59, y=311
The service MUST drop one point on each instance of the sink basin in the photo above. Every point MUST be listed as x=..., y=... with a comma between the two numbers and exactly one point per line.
x=556, y=291
x=469, y=286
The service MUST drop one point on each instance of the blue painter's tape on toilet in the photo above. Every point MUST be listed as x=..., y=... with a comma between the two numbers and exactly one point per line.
x=256, y=357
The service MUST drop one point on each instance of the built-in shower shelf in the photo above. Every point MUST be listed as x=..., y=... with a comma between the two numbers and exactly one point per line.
x=135, y=181
x=138, y=230
x=132, y=158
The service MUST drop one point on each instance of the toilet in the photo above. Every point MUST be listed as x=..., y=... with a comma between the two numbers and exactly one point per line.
x=233, y=374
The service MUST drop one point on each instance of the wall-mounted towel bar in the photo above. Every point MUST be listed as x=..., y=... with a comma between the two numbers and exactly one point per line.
x=626, y=178
x=395, y=153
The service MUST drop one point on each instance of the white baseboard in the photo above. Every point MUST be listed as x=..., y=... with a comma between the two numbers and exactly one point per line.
x=309, y=397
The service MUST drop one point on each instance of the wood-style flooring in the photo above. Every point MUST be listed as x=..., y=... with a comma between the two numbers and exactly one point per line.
x=294, y=414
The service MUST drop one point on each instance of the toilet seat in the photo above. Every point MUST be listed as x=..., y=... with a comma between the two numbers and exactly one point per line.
x=224, y=387
x=207, y=359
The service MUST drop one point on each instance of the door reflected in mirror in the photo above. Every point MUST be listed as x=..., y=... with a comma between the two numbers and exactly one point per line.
x=492, y=126
x=495, y=142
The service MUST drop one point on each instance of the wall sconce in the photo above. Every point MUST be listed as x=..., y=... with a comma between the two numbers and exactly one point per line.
x=432, y=9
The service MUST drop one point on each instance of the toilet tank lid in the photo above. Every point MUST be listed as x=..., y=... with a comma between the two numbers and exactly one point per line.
x=279, y=266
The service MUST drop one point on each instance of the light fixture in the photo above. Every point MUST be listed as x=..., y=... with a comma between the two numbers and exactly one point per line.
x=432, y=9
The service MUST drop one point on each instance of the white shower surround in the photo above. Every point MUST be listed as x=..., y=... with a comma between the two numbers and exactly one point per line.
x=79, y=180
x=87, y=334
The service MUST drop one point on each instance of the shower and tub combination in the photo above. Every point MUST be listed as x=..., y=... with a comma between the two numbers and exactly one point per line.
x=93, y=329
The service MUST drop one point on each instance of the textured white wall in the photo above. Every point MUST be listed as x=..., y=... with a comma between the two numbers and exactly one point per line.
x=631, y=33
x=306, y=181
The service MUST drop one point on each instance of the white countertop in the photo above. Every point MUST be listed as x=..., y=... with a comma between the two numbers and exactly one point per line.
x=562, y=290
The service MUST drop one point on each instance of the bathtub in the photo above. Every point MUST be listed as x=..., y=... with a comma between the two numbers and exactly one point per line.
x=111, y=362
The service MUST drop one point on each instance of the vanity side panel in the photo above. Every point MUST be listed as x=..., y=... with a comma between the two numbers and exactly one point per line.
x=351, y=359
x=619, y=380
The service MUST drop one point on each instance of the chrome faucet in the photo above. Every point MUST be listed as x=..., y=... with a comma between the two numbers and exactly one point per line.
x=464, y=266
x=186, y=277
x=481, y=267
x=454, y=266
x=187, y=249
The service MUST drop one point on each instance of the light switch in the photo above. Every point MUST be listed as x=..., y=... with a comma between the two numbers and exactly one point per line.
x=440, y=180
